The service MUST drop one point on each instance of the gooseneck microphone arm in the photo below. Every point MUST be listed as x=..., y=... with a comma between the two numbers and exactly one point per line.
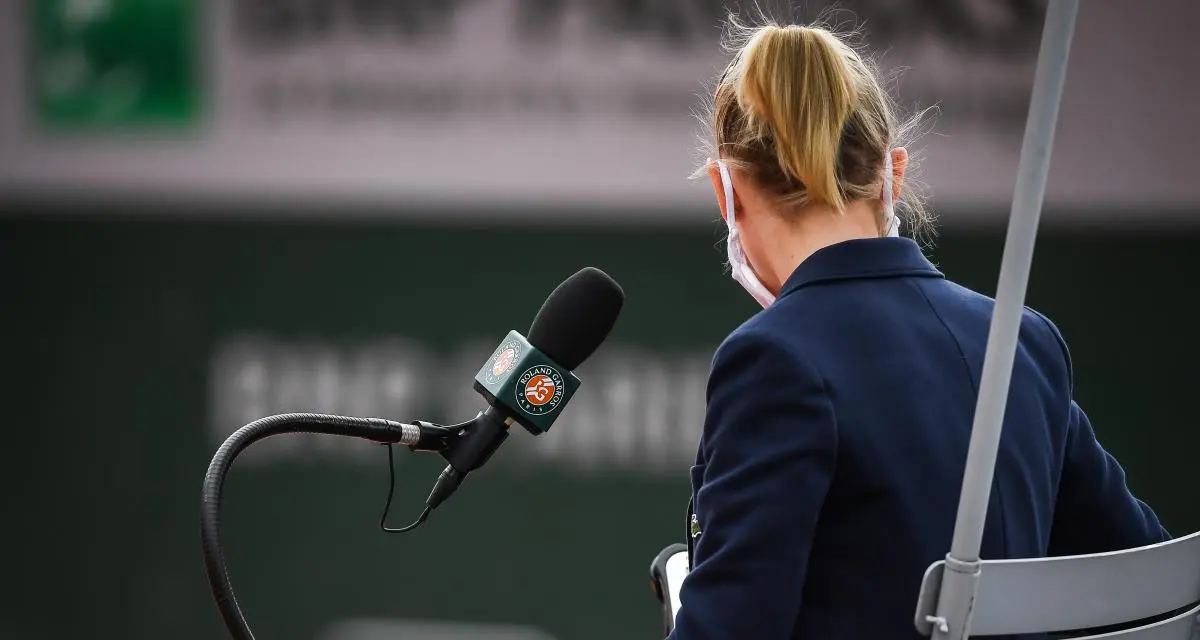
x=417, y=437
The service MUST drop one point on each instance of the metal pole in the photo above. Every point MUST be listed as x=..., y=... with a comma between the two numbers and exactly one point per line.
x=961, y=576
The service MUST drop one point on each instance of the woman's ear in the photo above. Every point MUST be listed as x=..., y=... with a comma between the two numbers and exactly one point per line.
x=899, y=167
x=714, y=174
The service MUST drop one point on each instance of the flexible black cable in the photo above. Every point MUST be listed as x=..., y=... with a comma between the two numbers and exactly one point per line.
x=378, y=430
x=387, y=506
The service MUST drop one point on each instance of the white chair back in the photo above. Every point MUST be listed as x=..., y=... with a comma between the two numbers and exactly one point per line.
x=1067, y=593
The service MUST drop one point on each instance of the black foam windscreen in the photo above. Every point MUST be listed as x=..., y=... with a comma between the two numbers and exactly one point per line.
x=577, y=317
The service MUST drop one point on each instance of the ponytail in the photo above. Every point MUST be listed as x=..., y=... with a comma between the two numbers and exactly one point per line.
x=801, y=113
x=795, y=88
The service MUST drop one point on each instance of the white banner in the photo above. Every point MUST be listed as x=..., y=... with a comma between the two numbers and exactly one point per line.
x=533, y=106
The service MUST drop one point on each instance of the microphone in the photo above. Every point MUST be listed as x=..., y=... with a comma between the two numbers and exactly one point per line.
x=527, y=381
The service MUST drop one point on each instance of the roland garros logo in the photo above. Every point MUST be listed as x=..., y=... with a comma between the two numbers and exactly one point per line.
x=539, y=390
x=506, y=357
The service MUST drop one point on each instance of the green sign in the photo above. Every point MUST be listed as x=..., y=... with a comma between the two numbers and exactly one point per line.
x=114, y=64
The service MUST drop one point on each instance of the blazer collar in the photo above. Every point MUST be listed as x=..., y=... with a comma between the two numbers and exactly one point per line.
x=861, y=259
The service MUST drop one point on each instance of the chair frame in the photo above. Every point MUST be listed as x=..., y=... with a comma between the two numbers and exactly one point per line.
x=947, y=603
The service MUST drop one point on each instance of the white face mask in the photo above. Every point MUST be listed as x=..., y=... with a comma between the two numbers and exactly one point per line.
x=743, y=273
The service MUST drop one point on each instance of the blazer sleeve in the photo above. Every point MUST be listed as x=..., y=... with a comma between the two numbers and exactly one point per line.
x=769, y=447
x=1094, y=511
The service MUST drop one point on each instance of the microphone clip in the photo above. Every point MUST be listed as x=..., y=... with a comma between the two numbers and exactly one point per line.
x=473, y=442
x=467, y=445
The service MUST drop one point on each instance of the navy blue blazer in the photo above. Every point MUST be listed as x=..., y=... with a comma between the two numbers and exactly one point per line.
x=828, y=473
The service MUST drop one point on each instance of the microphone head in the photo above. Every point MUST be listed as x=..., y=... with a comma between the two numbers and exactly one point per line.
x=577, y=317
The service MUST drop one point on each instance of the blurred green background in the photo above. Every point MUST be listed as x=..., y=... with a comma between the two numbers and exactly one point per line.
x=112, y=323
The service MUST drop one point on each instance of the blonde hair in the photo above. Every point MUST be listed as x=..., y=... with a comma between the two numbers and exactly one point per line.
x=805, y=116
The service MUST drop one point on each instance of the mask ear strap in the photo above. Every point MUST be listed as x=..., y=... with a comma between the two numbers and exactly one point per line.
x=891, y=221
x=727, y=183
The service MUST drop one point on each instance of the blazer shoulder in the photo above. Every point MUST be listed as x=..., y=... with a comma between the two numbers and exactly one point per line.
x=1046, y=324
x=757, y=375
x=762, y=348
x=761, y=333
x=1052, y=336
x=1038, y=333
